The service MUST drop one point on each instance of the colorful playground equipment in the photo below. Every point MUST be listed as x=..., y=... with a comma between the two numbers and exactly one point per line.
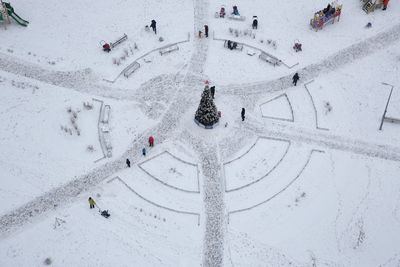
x=7, y=11
x=325, y=16
x=370, y=5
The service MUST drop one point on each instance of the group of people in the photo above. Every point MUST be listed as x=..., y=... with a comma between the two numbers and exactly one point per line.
x=235, y=11
x=232, y=45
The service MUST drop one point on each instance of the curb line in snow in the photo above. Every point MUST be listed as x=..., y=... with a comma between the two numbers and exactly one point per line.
x=282, y=190
x=117, y=178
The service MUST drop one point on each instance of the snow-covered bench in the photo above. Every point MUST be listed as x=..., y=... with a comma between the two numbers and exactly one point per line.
x=236, y=17
x=270, y=59
x=238, y=46
x=106, y=114
x=168, y=49
x=131, y=69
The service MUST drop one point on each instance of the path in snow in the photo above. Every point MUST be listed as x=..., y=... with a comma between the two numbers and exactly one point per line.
x=339, y=59
x=213, y=246
x=181, y=92
x=324, y=139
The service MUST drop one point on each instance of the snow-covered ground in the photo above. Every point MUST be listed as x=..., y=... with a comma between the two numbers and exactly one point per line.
x=308, y=179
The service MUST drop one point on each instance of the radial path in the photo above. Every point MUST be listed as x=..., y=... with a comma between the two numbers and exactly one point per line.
x=66, y=193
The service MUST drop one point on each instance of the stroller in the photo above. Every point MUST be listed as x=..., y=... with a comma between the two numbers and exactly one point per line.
x=297, y=46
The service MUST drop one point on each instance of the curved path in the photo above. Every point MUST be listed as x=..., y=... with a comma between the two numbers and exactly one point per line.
x=180, y=91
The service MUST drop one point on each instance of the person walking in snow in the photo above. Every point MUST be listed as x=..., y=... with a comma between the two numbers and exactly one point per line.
x=151, y=141
x=255, y=23
x=128, y=163
x=206, y=30
x=92, y=203
x=295, y=78
x=144, y=151
x=153, y=26
x=212, y=91
x=385, y=3
x=243, y=113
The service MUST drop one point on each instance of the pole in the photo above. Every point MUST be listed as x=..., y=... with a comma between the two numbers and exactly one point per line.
x=387, y=104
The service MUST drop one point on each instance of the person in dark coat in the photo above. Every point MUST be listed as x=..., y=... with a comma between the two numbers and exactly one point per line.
x=92, y=203
x=206, y=30
x=212, y=91
x=243, y=113
x=153, y=26
x=144, y=151
x=128, y=163
x=295, y=78
x=255, y=23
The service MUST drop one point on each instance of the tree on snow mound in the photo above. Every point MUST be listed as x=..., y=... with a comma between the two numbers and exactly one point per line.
x=207, y=113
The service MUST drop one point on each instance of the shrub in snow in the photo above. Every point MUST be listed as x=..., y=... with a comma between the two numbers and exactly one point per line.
x=114, y=61
x=135, y=46
x=328, y=107
x=47, y=261
x=126, y=52
x=74, y=114
x=87, y=105
x=70, y=131
x=65, y=129
x=69, y=109
x=78, y=132
x=207, y=113
x=161, y=39
x=73, y=120
x=90, y=148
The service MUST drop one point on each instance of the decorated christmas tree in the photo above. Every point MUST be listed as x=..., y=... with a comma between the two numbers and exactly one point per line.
x=206, y=113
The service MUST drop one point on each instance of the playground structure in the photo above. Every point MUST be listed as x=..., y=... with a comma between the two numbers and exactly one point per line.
x=370, y=5
x=108, y=46
x=325, y=16
x=7, y=11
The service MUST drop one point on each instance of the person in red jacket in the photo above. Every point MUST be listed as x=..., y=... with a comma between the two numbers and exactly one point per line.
x=151, y=141
x=385, y=3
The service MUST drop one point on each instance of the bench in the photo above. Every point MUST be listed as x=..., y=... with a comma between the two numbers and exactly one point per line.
x=270, y=59
x=239, y=46
x=119, y=41
x=131, y=69
x=106, y=114
x=168, y=49
x=236, y=17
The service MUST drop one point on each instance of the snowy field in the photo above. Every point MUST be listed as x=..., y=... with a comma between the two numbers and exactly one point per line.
x=309, y=178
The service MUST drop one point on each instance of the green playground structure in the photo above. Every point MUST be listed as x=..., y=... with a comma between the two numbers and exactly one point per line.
x=11, y=13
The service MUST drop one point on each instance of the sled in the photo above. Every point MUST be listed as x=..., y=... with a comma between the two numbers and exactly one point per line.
x=104, y=213
x=236, y=17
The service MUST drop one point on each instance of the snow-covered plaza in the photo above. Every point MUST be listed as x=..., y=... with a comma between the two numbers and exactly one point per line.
x=310, y=176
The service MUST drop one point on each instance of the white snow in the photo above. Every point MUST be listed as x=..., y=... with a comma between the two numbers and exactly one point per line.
x=308, y=179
